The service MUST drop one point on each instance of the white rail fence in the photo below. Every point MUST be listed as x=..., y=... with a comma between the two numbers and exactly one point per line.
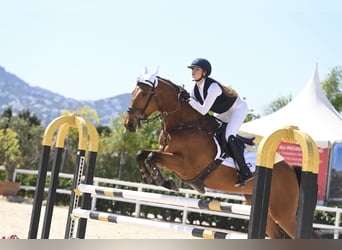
x=335, y=229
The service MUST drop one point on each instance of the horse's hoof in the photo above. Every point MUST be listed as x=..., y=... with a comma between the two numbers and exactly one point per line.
x=170, y=184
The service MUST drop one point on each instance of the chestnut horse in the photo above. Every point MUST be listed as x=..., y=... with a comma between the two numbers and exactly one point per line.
x=187, y=148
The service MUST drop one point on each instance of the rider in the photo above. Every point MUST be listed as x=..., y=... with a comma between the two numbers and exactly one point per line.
x=209, y=95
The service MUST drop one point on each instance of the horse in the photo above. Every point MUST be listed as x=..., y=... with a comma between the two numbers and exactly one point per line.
x=188, y=148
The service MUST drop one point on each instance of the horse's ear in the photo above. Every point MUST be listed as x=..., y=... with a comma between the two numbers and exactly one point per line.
x=141, y=77
x=156, y=72
x=145, y=70
x=149, y=78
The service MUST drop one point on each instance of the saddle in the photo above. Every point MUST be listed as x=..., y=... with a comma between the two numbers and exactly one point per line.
x=225, y=149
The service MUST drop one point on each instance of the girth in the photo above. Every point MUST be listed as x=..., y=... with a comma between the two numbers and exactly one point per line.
x=198, y=182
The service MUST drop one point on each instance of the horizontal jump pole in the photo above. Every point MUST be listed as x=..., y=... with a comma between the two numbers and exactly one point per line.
x=166, y=199
x=119, y=219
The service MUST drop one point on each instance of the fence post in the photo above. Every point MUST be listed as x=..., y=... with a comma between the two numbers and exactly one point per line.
x=39, y=192
x=308, y=187
x=62, y=123
x=264, y=167
x=89, y=176
x=138, y=205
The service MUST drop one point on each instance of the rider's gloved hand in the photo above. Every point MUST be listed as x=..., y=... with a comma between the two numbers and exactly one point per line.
x=184, y=95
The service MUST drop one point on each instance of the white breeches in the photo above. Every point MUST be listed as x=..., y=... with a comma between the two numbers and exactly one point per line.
x=235, y=116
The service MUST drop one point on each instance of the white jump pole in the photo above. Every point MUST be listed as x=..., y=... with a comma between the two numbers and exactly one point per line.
x=119, y=219
x=166, y=199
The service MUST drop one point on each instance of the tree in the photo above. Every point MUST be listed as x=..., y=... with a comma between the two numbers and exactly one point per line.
x=30, y=140
x=10, y=154
x=251, y=116
x=277, y=104
x=71, y=140
x=29, y=133
x=32, y=119
x=117, y=152
x=105, y=130
x=7, y=113
x=332, y=87
x=85, y=112
x=5, y=118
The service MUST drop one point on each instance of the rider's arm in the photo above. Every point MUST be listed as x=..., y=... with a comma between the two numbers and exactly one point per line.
x=213, y=92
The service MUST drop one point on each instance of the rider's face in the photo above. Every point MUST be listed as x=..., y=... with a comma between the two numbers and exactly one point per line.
x=197, y=73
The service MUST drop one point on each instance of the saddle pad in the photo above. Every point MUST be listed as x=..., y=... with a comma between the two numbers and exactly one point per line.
x=250, y=157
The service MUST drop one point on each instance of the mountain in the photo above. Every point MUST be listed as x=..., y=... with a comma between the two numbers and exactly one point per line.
x=48, y=105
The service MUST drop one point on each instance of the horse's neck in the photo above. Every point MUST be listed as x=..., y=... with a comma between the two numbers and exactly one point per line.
x=181, y=113
x=187, y=117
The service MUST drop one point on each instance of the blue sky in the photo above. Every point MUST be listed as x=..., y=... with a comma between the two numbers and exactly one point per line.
x=90, y=50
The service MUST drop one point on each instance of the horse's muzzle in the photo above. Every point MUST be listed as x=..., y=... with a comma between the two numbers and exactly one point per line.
x=129, y=125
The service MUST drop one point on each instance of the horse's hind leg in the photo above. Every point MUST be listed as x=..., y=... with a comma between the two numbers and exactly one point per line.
x=284, y=198
x=273, y=230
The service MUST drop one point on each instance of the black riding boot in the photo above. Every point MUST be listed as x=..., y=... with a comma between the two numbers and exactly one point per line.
x=245, y=174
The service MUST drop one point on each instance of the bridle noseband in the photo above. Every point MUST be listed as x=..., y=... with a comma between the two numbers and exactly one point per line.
x=152, y=93
x=161, y=115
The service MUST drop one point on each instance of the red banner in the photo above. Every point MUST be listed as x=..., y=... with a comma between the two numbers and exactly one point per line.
x=292, y=154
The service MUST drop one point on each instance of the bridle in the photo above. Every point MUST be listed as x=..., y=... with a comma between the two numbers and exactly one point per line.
x=152, y=94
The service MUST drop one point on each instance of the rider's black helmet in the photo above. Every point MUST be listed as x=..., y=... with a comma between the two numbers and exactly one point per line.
x=202, y=63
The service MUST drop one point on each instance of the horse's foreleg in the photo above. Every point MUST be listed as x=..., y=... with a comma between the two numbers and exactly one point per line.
x=144, y=172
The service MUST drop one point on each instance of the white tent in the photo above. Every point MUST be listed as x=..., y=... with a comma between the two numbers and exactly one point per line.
x=310, y=111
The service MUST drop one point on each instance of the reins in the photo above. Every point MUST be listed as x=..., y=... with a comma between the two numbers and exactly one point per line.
x=160, y=116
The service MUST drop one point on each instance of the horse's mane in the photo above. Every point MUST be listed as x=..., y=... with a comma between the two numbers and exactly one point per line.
x=208, y=122
x=171, y=83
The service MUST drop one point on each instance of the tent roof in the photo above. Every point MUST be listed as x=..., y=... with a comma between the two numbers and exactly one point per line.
x=310, y=111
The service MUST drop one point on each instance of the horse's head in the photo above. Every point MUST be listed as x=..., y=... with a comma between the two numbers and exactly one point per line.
x=143, y=102
x=154, y=93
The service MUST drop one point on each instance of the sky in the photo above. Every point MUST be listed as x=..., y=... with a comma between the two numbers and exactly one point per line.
x=89, y=50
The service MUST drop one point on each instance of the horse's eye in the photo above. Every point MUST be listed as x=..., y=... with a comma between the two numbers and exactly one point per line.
x=144, y=94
